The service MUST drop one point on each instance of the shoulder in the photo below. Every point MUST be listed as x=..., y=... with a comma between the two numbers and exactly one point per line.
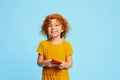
x=66, y=42
x=43, y=42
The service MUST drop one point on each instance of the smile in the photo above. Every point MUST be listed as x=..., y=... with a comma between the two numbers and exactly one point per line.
x=53, y=32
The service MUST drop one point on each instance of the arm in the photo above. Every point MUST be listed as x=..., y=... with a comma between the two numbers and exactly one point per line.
x=44, y=63
x=41, y=62
x=67, y=64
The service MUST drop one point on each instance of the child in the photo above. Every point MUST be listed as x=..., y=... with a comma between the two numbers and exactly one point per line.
x=55, y=28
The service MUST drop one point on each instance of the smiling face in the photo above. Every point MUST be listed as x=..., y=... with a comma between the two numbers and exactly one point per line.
x=54, y=28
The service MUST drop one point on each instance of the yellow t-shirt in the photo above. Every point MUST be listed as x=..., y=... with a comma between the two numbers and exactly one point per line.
x=55, y=51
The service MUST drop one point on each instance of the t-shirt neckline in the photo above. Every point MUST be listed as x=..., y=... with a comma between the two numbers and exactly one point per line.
x=55, y=44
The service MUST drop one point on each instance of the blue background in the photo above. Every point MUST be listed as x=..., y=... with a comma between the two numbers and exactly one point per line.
x=94, y=35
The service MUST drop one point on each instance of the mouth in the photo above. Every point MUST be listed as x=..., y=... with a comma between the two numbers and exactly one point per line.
x=53, y=32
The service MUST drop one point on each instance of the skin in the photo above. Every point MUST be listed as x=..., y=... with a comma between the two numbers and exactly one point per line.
x=54, y=31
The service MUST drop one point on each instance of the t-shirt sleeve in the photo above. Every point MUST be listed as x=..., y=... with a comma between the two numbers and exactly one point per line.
x=69, y=50
x=40, y=49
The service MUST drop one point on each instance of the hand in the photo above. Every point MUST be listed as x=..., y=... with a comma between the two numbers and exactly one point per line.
x=51, y=64
x=48, y=63
x=61, y=66
x=45, y=63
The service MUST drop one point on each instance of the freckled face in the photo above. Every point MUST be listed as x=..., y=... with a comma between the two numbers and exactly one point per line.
x=54, y=28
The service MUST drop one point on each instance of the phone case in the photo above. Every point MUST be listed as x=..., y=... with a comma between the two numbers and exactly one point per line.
x=56, y=62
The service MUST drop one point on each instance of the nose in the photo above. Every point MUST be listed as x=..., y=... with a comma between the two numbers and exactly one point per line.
x=52, y=27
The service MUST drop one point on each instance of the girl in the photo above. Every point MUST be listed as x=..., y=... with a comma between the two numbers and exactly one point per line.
x=55, y=48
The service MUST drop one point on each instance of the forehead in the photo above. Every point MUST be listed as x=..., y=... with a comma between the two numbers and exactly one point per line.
x=54, y=21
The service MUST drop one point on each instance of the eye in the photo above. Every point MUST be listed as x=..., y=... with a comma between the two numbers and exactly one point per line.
x=49, y=25
x=56, y=25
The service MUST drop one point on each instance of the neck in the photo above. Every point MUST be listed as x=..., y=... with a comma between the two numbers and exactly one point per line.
x=55, y=40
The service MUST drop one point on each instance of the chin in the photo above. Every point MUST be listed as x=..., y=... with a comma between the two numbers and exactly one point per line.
x=53, y=36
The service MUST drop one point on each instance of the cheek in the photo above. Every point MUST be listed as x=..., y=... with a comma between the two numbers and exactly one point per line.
x=62, y=29
x=48, y=29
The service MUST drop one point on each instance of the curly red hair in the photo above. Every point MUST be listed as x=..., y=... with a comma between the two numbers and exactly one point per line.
x=60, y=18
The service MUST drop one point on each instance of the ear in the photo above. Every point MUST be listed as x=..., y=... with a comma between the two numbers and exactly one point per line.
x=62, y=30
